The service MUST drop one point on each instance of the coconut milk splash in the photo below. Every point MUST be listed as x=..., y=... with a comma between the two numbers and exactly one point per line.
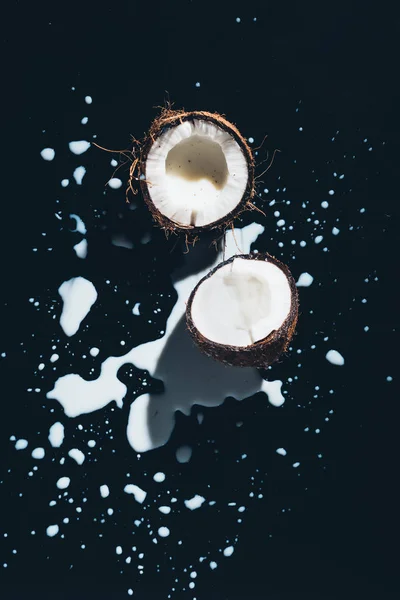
x=189, y=376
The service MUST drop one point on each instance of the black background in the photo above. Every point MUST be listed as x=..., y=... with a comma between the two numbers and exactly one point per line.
x=339, y=60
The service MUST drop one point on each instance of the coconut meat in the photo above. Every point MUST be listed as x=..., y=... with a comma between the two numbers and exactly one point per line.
x=242, y=302
x=196, y=173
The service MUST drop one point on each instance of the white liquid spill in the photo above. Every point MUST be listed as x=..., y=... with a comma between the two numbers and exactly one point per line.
x=38, y=453
x=78, y=295
x=183, y=454
x=305, y=280
x=138, y=493
x=115, y=183
x=334, y=357
x=94, y=351
x=164, y=509
x=56, y=434
x=79, y=224
x=229, y=551
x=104, y=491
x=206, y=382
x=79, y=147
x=194, y=502
x=63, y=483
x=281, y=451
x=81, y=249
x=48, y=154
x=77, y=455
x=163, y=532
x=52, y=530
x=79, y=174
x=135, y=309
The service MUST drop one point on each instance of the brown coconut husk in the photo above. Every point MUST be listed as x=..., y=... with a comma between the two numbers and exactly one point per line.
x=263, y=353
x=171, y=118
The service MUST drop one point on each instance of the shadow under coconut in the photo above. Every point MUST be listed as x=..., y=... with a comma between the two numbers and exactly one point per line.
x=188, y=375
x=189, y=378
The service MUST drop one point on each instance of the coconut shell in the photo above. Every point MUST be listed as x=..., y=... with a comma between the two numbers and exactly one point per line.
x=171, y=118
x=262, y=353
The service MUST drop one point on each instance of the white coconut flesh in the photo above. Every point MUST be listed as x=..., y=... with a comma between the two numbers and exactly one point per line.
x=196, y=173
x=242, y=302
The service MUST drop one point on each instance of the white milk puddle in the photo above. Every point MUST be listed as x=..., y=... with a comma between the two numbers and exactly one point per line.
x=189, y=376
x=78, y=295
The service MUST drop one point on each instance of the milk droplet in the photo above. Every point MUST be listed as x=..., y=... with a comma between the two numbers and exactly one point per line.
x=38, y=453
x=79, y=174
x=48, y=154
x=78, y=295
x=81, y=248
x=104, y=491
x=163, y=532
x=305, y=280
x=115, y=183
x=77, y=455
x=52, y=530
x=194, y=502
x=281, y=451
x=229, y=551
x=79, y=147
x=21, y=444
x=63, y=483
x=56, y=434
x=334, y=357
x=138, y=493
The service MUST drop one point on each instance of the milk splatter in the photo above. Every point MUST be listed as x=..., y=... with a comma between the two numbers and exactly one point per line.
x=52, y=530
x=78, y=295
x=305, y=280
x=195, y=502
x=79, y=147
x=81, y=248
x=79, y=224
x=104, y=491
x=115, y=183
x=138, y=493
x=77, y=455
x=56, y=434
x=79, y=174
x=334, y=357
x=48, y=153
x=208, y=383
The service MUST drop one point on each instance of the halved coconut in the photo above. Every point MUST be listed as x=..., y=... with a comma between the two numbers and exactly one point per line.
x=196, y=171
x=244, y=312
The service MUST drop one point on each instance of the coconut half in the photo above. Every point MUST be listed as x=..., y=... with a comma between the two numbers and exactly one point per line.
x=244, y=312
x=196, y=171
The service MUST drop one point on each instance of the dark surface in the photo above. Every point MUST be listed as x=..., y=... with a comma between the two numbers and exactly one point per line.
x=338, y=64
